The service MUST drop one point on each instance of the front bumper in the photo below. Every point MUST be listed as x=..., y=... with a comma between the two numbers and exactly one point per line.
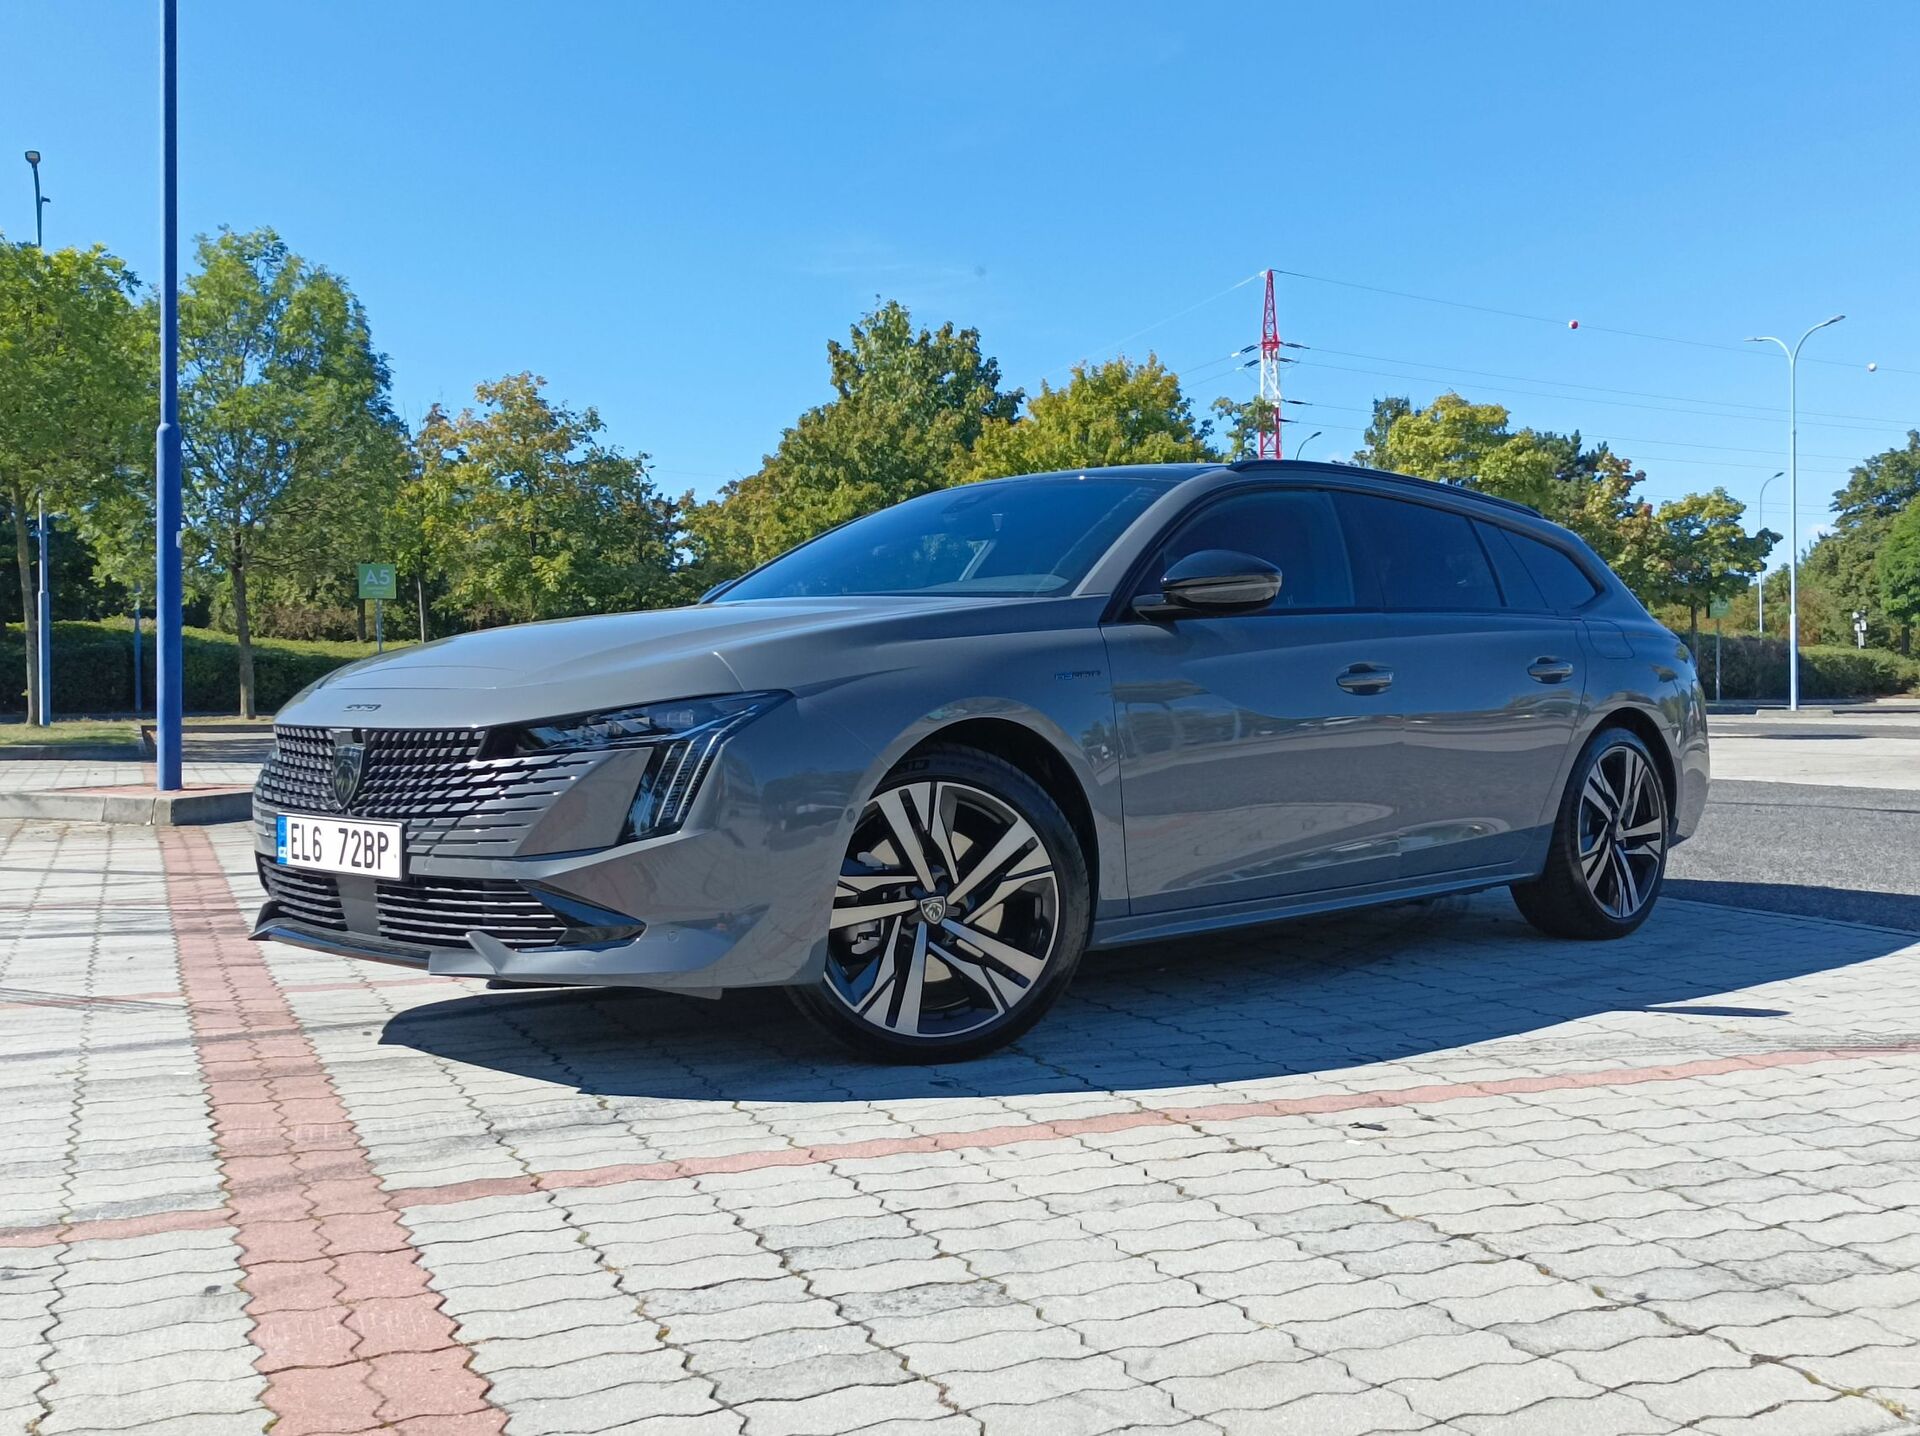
x=737, y=898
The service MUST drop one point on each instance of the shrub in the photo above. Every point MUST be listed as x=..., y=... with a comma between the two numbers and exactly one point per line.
x=1757, y=668
x=93, y=669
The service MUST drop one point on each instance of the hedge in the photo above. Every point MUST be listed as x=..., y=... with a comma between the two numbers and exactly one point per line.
x=1757, y=668
x=93, y=669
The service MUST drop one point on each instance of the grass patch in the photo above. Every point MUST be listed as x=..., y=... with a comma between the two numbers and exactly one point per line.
x=68, y=733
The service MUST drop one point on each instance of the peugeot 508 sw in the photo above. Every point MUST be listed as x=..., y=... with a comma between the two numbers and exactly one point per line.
x=914, y=768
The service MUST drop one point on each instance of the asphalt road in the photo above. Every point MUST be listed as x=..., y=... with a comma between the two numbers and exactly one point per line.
x=1813, y=849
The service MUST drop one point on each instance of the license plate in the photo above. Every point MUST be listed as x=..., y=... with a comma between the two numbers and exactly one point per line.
x=338, y=845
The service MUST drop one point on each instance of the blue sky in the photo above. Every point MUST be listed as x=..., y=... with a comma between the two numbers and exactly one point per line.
x=668, y=210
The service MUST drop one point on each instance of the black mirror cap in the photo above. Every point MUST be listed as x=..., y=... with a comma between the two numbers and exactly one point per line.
x=1215, y=580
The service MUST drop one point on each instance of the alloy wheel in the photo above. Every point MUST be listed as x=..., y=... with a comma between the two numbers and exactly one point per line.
x=946, y=912
x=1622, y=831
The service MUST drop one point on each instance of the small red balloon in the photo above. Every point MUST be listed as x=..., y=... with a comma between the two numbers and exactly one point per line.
x=1573, y=324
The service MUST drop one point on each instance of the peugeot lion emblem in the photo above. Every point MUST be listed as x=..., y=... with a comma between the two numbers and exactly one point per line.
x=349, y=761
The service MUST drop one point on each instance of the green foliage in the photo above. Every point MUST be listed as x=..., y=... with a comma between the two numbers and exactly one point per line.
x=75, y=361
x=285, y=420
x=1898, y=567
x=1246, y=422
x=1757, y=668
x=907, y=409
x=1707, y=554
x=1842, y=564
x=93, y=668
x=1112, y=413
x=526, y=513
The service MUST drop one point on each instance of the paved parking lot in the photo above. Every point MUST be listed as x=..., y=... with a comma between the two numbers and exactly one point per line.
x=1419, y=1170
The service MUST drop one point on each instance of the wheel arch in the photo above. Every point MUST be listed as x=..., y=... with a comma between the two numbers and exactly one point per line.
x=1032, y=753
x=1649, y=732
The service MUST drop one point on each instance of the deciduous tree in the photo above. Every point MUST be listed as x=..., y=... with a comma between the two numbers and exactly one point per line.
x=74, y=392
x=281, y=397
x=530, y=514
x=1898, y=565
x=908, y=406
x=1112, y=413
x=1708, y=555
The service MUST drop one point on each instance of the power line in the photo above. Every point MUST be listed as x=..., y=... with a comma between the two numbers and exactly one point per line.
x=1148, y=329
x=1731, y=348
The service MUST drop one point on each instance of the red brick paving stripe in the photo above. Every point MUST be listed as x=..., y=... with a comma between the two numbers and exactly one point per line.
x=350, y=1335
x=1015, y=1135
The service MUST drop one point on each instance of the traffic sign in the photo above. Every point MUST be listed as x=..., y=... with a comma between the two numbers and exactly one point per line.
x=376, y=580
x=1717, y=607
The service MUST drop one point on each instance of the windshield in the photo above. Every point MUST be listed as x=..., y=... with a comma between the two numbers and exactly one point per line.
x=1023, y=539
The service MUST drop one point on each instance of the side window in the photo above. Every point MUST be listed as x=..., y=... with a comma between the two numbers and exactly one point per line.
x=1516, y=580
x=1295, y=530
x=1421, y=557
x=1559, y=577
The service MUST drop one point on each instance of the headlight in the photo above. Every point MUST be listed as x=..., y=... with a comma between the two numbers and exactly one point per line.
x=683, y=736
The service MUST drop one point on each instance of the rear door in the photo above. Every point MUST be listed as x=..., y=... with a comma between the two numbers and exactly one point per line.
x=1488, y=683
x=1260, y=751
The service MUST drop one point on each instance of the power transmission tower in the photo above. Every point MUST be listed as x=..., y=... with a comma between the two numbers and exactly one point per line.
x=1270, y=362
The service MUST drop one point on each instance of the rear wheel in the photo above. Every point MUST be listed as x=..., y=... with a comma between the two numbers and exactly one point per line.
x=1608, y=854
x=960, y=912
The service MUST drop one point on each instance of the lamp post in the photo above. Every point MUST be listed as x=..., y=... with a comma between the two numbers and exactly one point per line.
x=43, y=648
x=1301, y=446
x=1760, y=598
x=40, y=201
x=166, y=439
x=1793, y=503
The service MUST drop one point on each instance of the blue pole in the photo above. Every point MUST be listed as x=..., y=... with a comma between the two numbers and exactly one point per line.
x=166, y=588
x=45, y=656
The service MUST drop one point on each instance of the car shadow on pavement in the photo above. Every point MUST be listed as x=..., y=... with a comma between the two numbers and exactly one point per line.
x=1315, y=996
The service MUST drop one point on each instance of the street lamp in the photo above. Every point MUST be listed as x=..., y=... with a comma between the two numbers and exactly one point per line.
x=1760, y=517
x=1793, y=503
x=44, y=655
x=1304, y=442
x=40, y=201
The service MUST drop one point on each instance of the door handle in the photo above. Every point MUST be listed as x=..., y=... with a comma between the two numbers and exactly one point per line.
x=1366, y=678
x=1550, y=670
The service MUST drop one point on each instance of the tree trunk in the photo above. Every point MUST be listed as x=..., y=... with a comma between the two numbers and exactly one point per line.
x=29, y=605
x=420, y=597
x=1693, y=630
x=360, y=619
x=243, y=639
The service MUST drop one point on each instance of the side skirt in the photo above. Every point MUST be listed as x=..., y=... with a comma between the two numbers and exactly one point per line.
x=1155, y=927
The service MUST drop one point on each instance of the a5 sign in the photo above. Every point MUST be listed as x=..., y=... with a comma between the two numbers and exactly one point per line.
x=376, y=580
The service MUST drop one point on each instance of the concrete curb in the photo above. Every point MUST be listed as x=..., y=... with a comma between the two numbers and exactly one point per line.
x=136, y=805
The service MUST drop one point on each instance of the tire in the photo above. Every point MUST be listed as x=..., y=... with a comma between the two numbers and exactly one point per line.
x=1607, y=858
x=973, y=910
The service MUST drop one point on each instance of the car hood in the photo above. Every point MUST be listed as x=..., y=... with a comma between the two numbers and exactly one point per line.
x=576, y=665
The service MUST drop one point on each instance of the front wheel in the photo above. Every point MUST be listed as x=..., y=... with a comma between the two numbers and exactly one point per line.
x=1608, y=854
x=960, y=913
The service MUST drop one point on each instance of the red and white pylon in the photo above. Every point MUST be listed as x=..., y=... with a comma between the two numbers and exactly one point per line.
x=1270, y=443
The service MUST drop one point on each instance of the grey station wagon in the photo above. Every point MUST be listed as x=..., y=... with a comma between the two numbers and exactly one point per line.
x=914, y=768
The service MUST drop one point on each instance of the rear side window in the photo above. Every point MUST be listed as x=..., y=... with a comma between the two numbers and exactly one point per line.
x=1516, y=579
x=1420, y=557
x=1295, y=530
x=1559, y=577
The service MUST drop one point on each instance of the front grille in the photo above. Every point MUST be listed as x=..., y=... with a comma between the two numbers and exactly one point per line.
x=311, y=898
x=440, y=912
x=424, y=911
x=454, y=802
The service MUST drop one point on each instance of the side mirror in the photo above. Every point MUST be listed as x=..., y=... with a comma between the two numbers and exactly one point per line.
x=1214, y=580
